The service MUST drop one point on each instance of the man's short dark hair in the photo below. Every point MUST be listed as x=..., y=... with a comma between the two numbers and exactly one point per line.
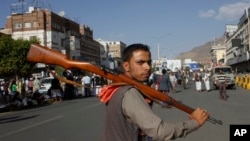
x=164, y=71
x=128, y=51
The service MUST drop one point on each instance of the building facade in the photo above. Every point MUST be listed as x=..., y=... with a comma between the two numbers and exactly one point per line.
x=55, y=32
x=104, y=51
x=235, y=50
x=52, y=30
x=218, y=55
x=112, y=54
x=237, y=45
x=90, y=49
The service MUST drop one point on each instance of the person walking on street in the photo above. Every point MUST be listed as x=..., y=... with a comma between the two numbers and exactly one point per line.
x=173, y=81
x=198, y=80
x=36, y=84
x=127, y=114
x=222, y=85
x=97, y=84
x=179, y=78
x=55, y=91
x=69, y=91
x=164, y=81
x=86, y=81
x=184, y=79
x=164, y=85
x=82, y=88
x=206, y=79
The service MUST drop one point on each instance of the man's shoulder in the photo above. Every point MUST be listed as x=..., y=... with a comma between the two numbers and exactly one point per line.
x=128, y=88
x=133, y=93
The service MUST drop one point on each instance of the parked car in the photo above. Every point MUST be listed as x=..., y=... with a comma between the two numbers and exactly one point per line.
x=229, y=76
x=45, y=85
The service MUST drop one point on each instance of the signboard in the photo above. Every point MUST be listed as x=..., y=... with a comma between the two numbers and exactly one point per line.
x=173, y=65
x=194, y=66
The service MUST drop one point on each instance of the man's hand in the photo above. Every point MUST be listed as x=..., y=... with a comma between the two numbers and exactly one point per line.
x=199, y=115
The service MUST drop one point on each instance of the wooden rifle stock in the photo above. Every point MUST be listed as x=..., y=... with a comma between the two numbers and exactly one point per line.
x=42, y=54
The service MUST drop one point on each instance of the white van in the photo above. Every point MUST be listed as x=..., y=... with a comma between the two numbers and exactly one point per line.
x=229, y=76
x=45, y=85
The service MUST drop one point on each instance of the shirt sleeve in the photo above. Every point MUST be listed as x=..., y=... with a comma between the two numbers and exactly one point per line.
x=139, y=112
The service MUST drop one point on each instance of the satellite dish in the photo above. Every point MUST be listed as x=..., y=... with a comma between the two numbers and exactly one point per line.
x=61, y=13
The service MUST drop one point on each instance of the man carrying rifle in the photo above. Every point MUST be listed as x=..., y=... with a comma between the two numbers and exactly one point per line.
x=128, y=115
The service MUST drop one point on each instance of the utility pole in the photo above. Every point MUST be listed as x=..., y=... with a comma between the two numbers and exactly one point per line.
x=158, y=44
x=158, y=52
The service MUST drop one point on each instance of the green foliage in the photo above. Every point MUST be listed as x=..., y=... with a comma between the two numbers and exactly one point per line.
x=187, y=68
x=201, y=65
x=13, y=57
x=59, y=70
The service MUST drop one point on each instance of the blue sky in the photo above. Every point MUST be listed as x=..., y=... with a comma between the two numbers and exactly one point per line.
x=175, y=25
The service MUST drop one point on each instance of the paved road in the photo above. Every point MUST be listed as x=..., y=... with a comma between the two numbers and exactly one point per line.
x=82, y=119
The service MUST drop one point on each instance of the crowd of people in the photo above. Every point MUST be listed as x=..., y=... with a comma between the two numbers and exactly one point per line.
x=24, y=92
x=20, y=93
x=168, y=81
x=175, y=81
x=16, y=94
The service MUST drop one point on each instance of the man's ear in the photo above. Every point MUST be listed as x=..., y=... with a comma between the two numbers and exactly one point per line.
x=125, y=66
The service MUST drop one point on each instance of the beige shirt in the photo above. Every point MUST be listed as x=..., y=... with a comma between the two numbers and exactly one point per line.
x=138, y=111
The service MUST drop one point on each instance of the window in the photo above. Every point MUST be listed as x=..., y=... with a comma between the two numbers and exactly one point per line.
x=33, y=37
x=226, y=70
x=34, y=24
x=18, y=25
x=27, y=25
x=62, y=42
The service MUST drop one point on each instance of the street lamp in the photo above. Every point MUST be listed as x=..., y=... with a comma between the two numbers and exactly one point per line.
x=158, y=52
x=158, y=44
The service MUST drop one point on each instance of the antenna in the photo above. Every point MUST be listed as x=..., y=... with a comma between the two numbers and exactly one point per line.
x=50, y=6
x=18, y=8
x=34, y=3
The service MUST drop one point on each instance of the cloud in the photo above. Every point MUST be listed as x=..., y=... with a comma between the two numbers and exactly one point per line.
x=205, y=14
x=231, y=12
x=228, y=12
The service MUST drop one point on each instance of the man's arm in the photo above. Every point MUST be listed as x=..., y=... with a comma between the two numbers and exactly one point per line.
x=138, y=111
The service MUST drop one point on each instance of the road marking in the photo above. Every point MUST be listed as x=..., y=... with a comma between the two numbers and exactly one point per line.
x=4, y=113
x=30, y=126
x=88, y=107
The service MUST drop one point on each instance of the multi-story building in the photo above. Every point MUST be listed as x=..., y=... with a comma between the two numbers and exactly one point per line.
x=55, y=32
x=237, y=45
x=90, y=49
x=115, y=52
x=104, y=50
x=218, y=54
x=112, y=53
x=63, y=34
x=52, y=30
x=116, y=48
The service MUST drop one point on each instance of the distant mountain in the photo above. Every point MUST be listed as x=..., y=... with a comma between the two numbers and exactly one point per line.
x=201, y=53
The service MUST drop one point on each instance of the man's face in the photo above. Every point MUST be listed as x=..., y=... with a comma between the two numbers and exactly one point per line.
x=139, y=66
x=221, y=71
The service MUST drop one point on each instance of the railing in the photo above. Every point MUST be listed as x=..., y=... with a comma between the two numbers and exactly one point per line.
x=243, y=81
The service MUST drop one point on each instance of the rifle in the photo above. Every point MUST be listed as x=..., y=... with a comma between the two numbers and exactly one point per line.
x=63, y=79
x=42, y=54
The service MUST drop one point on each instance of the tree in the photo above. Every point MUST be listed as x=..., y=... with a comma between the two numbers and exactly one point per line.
x=201, y=65
x=13, y=57
x=187, y=68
